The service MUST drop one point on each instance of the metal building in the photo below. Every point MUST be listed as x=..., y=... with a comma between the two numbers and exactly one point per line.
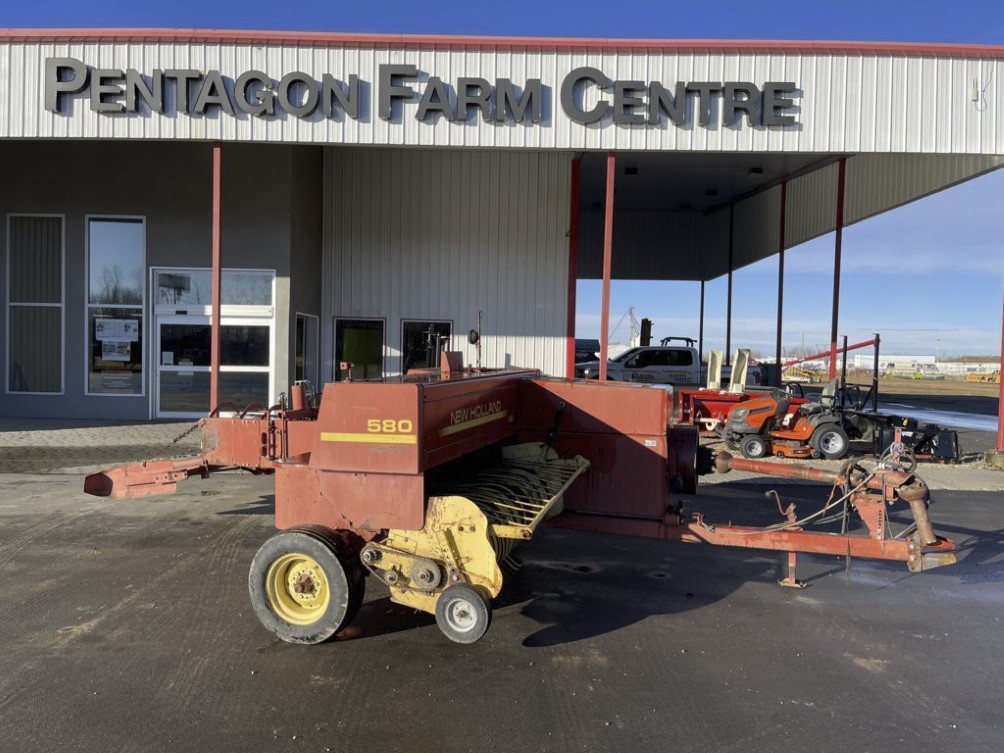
x=343, y=198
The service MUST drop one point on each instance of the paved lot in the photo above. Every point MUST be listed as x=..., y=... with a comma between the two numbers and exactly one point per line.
x=47, y=445
x=126, y=626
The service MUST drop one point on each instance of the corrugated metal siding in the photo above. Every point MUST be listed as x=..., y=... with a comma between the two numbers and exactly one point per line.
x=810, y=208
x=646, y=245
x=35, y=318
x=36, y=260
x=428, y=235
x=851, y=103
x=35, y=354
x=757, y=227
x=877, y=182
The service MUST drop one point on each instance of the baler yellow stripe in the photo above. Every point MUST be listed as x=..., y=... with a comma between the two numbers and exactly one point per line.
x=340, y=436
x=472, y=423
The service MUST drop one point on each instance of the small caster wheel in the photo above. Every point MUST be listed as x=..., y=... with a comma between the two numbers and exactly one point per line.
x=463, y=613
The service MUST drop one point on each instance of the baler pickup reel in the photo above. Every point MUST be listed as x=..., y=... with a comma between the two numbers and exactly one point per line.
x=452, y=566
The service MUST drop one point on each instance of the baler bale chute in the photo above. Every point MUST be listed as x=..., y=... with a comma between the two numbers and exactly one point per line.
x=427, y=483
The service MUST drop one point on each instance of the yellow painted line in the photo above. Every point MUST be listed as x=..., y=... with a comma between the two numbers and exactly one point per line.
x=472, y=423
x=339, y=436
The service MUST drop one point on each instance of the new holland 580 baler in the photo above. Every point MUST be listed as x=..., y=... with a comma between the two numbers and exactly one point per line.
x=428, y=482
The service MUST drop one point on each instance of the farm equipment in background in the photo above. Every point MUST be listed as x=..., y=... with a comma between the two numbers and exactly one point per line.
x=426, y=484
x=801, y=374
x=993, y=377
x=769, y=424
x=785, y=423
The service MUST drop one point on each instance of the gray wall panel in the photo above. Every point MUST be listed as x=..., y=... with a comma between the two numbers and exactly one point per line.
x=305, y=238
x=646, y=245
x=811, y=205
x=757, y=227
x=170, y=185
x=422, y=234
x=878, y=182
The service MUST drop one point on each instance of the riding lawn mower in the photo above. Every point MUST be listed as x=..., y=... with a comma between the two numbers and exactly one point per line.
x=775, y=423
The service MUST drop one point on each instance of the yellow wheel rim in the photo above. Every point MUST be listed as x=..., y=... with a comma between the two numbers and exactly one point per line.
x=297, y=589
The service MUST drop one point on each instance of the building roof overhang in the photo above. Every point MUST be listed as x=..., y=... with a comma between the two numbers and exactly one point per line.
x=441, y=41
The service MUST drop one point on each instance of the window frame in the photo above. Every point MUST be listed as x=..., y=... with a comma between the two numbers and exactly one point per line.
x=419, y=320
x=230, y=315
x=317, y=346
x=334, y=342
x=226, y=309
x=142, y=308
x=20, y=304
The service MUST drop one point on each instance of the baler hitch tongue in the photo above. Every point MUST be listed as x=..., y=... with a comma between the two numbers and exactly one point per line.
x=147, y=479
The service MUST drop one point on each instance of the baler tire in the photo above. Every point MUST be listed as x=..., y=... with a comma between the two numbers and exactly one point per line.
x=463, y=613
x=822, y=441
x=335, y=573
x=753, y=446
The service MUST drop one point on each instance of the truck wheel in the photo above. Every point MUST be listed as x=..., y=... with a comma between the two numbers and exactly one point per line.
x=304, y=585
x=830, y=440
x=463, y=613
x=753, y=446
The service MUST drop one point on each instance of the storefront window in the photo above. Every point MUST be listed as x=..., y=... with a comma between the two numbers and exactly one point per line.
x=195, y=288
x=116, y=269
x=359, y=342
x=421, y=344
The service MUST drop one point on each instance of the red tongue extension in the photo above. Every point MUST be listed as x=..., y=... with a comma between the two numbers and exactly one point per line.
x=143, y=479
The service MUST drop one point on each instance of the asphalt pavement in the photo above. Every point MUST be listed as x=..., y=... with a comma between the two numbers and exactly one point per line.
x=126, y=626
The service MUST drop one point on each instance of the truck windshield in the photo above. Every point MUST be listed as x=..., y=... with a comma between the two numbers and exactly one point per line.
x=624, y=356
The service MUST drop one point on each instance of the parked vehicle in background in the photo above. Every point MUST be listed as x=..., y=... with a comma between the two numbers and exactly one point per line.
x=667, y=363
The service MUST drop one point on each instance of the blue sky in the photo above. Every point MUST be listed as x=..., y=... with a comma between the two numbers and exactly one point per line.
x=927, y=276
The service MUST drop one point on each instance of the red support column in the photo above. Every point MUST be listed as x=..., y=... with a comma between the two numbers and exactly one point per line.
x=214, y=352
x=728, y=310
x=1000, y=397
x=700, y=335
x=780, y=278
x=573, y=260
x=837, y=244
x=608, y=243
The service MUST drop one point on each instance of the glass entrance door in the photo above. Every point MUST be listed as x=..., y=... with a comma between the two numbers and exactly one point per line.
x=183, y=348
x=182, y=341
x=183, y=352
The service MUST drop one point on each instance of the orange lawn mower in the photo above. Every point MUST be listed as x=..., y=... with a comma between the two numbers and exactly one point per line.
x=769, y=425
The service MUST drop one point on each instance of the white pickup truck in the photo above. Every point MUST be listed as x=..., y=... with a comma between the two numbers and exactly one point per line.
x=660, y=364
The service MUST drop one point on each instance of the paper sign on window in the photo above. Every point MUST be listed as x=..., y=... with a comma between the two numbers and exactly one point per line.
x=117, y=329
